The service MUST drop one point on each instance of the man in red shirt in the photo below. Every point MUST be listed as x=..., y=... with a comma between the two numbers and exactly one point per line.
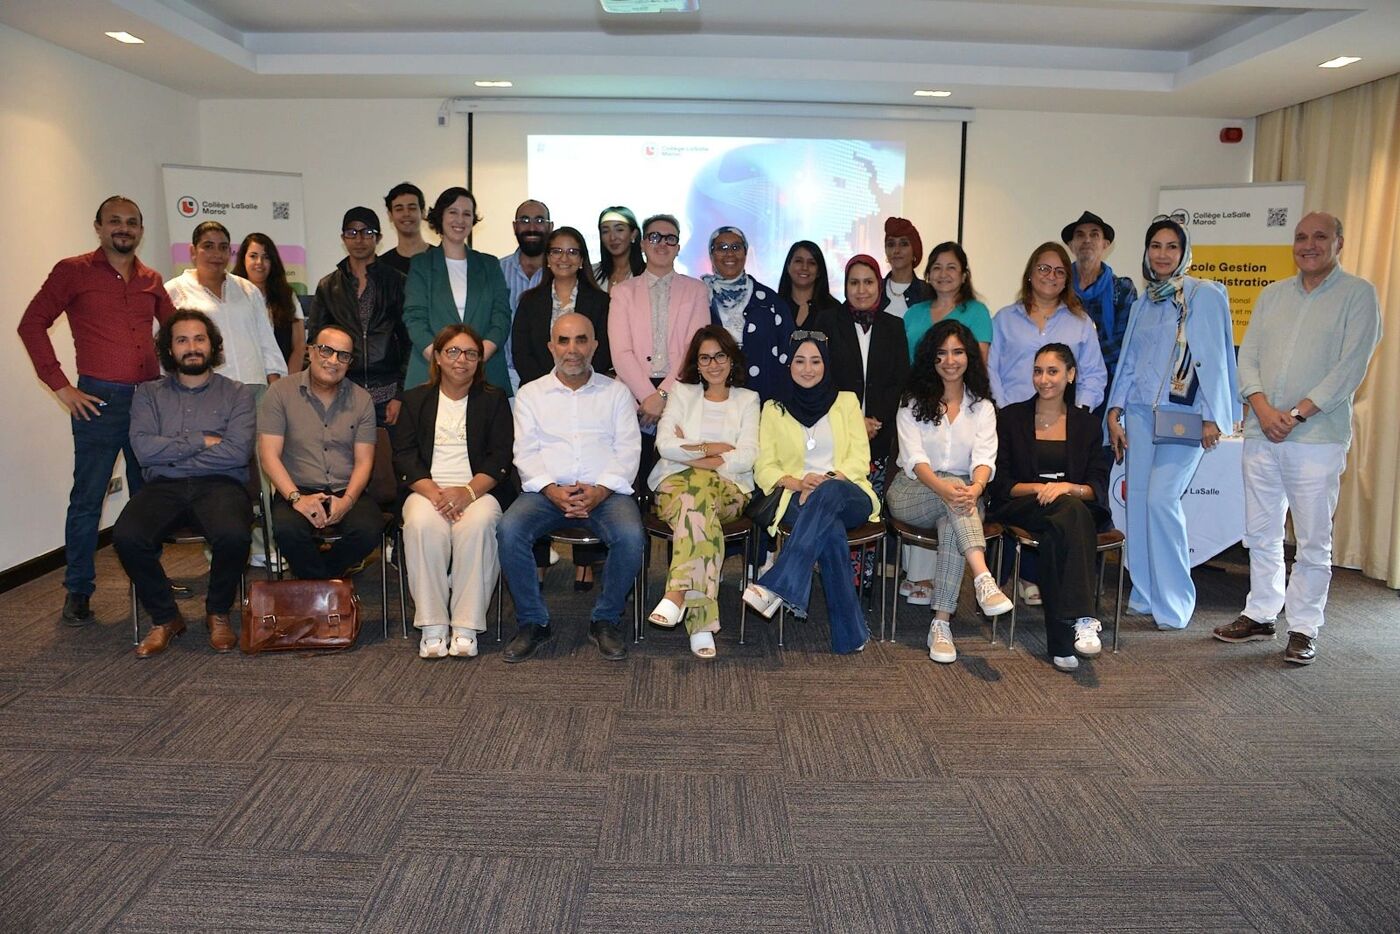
x=111, y=299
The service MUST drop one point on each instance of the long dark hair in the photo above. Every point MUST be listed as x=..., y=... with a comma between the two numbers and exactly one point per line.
x=281, y=300
x=690, y=369
x=821, y=288
x=924, y=391
x=635, y=261
x=966, y=293
x=1067, y=358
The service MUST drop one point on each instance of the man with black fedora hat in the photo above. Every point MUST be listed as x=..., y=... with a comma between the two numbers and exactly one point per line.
x=1106, y=297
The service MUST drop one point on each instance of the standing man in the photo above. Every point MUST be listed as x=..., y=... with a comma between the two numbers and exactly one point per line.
x=193, y=432
x=1308, y=345
x=365, y=299
x=1106, y=297
x=524, y=267
x=111, y=299
x=406, y=207
x=576, y=449
x=316, y=439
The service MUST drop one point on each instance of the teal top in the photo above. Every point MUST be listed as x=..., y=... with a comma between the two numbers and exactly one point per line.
x=974, y=314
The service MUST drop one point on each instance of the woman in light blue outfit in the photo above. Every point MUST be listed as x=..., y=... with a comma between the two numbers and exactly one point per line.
x=1178, y=358
x=1046, y=312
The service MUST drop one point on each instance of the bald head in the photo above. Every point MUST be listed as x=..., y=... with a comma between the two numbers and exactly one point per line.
x=572, y=343
x=1317, y=240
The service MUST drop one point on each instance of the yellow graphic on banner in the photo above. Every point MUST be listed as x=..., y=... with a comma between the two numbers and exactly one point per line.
x=1244, y=271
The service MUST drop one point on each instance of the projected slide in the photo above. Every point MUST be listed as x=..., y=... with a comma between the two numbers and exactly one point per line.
x=832, y=191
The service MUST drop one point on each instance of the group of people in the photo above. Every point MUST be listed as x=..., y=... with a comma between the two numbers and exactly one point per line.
x=541, y=390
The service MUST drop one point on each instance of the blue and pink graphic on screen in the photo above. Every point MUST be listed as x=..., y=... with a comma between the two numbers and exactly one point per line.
x=831, y=191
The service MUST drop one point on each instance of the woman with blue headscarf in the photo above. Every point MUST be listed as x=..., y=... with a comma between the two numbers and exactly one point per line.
x=756, y=316
x=814, y=448
x=1174, y=392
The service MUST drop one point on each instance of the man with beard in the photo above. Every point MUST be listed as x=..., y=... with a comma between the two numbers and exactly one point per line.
x=1106, y=297
x=193, y=434
x=524, y=267
x=110, y=298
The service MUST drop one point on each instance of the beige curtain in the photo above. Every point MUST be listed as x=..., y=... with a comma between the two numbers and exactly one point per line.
x=1346, y=149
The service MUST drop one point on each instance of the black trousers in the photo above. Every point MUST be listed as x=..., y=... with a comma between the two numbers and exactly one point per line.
x=359, y=533
x=217, y=507
x=1068, y=536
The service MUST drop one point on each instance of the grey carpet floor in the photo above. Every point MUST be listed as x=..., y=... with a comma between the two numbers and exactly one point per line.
x=1180, y=785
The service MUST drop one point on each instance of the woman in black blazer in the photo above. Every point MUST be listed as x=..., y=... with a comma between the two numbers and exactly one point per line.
x=566, y=284
x=452, y=453
x=1052, y=481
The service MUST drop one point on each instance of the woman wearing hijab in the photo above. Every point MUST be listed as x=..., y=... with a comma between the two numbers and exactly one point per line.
x=758, y=318
x=804, y=283
x=903, y=250
x=814, y=448
x=1173, y=394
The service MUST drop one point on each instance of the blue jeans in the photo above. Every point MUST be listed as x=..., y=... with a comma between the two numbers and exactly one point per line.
x=819, y=537
x=615, y=520
x=96, y=443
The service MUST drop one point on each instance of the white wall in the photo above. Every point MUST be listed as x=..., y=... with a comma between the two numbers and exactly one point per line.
x=73, y=131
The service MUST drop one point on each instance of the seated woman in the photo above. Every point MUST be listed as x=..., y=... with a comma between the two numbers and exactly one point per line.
x=758, y=318
x=707, y=440
x=452, y=452
x=566, y=284
x=947, y=429
x=1052, y=481
x=814, y=448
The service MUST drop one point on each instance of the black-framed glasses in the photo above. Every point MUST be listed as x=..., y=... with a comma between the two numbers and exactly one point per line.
x=537, y=219
x=735, y=247
x=1055, y=272
x=469, y=354
x=809, y=336
x=656, y=237
x=565, y=251
x=706, y=359
x=355, y=233
x=326, y=352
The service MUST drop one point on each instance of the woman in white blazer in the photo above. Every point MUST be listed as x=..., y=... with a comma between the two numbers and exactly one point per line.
x=707, y=441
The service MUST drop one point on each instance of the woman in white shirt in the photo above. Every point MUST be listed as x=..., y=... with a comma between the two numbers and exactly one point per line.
x=947, y=429
x=452, y=452
x=707, y=440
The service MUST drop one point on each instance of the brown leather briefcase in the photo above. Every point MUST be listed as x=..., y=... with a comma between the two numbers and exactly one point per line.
x=280, y=616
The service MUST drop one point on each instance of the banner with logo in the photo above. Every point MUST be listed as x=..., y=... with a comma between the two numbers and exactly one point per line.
x=245, y=202
x=1241, y=236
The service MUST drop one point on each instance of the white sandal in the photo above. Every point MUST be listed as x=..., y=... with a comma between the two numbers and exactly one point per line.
x=762, y=600
x=703, y=644
x=1030, y=593
x=463, y=644
x=666, y=615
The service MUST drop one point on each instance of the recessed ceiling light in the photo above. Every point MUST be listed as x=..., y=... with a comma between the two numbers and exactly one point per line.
x=127, y=37
x=650, y=6
x=1341, y=61
x=494, y=84
x=926, y=92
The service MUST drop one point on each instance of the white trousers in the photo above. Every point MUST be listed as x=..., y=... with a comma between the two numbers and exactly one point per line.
x=1303, y=479
x=451, y=566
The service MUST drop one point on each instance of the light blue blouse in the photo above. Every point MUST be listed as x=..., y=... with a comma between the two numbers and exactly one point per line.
x=1015, y=340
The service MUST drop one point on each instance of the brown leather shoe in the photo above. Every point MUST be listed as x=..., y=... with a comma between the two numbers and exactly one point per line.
x=1302, y=649
x=221, y=635
x=159, y=637
x=1244, y=629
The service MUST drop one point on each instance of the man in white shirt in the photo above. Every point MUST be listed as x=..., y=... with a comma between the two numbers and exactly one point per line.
x=576, y=445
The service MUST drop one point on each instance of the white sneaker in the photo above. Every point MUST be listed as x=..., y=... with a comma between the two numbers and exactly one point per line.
x=1065, y=662
x=989, y=596
x=432, y=647
x=940, y=643
x=1086, y=639
x=463, y=643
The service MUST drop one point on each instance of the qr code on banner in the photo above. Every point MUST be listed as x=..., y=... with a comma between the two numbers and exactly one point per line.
x=1278, y=217
x=282, y=211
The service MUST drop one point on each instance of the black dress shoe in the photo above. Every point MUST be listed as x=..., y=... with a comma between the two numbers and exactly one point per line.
x=180, y=591
x=605, y=636
x=527, y=639
x=76, y=611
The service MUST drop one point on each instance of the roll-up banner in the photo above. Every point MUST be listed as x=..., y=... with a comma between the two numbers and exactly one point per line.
x=245, y=202
x=1241, y=236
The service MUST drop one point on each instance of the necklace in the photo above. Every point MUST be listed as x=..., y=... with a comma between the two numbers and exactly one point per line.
x=811, y=434
x=1042, y=422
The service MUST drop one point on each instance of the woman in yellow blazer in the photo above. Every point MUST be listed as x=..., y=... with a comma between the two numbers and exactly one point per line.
x=815, y=449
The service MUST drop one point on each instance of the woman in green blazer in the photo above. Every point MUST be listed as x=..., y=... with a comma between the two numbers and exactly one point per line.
x=451, y=284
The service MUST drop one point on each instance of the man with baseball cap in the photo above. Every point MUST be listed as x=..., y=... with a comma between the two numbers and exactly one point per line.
x=1106, y=297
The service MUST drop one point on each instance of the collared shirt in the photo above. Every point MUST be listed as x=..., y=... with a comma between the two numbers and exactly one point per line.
x=240, y=311
x=659, y=290
x=584, y=435
x=1015, y=340
x=110, y=317
x=170, y=420
x=957, y=447
x=1310, y=345
x=318, y=443
x=518, y=283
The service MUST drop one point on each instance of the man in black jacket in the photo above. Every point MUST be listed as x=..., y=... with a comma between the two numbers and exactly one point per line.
x=365, y=298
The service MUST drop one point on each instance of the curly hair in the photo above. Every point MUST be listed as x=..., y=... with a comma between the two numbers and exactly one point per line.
x=690, y=369
x=924, y=391
x=166, y=338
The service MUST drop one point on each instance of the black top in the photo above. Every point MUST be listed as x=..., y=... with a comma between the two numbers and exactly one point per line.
x=490, y=438
x=396, y=260
x=1018, y=459
x=1050, y=458
x=381, y=346
x=529, y=335
x=885, y=370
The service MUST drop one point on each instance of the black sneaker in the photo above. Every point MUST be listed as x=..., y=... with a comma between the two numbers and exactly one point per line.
x=527, y=639
x=1302, y=649
x=180, y=591
x=1244, y=629
x=609, y=642
x=76, y=611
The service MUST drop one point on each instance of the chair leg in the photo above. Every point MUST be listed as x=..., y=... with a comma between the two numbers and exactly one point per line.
x=384, y=581
x=1000, y=544
x=1101, y=559
x=1118, y=599
x=135, y=617
x=1015, y=590
x=745, y=556
x=884, y=558
x=500, y=603
x=398, y=565
x=894, y=604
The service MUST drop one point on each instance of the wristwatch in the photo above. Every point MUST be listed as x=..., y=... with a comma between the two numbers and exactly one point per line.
x=663, y=394
x=1293, y=413
x=293, y=496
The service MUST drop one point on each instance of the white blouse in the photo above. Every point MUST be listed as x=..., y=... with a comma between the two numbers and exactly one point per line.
x=956, y=447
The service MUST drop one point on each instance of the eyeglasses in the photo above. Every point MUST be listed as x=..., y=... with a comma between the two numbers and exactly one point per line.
x=809, y=336
x=1054, y=272
x=565, y=251
x=669, y=239
x=469, y=354
x=326, y=352
x=705, y=359
x=355, y=233
x=735, y=247
x=537, y=219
